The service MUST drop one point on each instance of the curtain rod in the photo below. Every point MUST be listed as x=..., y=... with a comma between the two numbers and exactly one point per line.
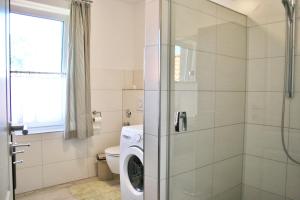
x=85, y=1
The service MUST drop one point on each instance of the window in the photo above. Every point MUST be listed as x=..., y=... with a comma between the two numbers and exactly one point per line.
x=37, y=72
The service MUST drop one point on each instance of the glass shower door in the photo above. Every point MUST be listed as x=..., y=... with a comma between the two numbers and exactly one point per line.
x=207, y=101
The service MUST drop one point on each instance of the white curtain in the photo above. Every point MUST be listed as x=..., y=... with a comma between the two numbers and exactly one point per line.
x=78, y=107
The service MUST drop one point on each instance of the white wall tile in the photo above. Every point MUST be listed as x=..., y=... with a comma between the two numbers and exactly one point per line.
x=191, y=150
x=199, y=35
x=201, y=69
x=252, y=193
x=152, y=60
x=111, y=122
x=106, y=100
x=98, y=143
x=293, y=182
x=151, y=112
x=202, y=5
x=264, y=141
x=199, y=107
x=295, y=111
x=29, y=179
x=231, y=194
x=265, y=108
x=265, y=74
x=229, y=108
x=257, y=42
x=231, y=39
x=63, y=150
x=276, y=39
x=32, y=156
x=294, y=141
x=227, y=174
x=226, y=68
x=265, y=174
x=196, y=184
x=63, y=172
x=228, y=141
x=106, y=79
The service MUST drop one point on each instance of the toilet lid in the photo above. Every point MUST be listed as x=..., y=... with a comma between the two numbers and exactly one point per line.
x=113, y=150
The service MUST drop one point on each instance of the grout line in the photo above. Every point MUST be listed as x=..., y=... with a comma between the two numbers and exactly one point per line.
x=213, y=163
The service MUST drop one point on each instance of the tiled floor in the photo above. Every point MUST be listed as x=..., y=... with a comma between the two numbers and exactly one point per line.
x=77, y=190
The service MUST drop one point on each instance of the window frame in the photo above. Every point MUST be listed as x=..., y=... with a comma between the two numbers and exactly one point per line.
x=57, y=16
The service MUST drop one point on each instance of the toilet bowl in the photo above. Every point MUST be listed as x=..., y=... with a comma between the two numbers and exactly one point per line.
x=112, y=155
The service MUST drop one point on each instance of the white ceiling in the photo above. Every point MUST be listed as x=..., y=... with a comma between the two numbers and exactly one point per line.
x=242, y=6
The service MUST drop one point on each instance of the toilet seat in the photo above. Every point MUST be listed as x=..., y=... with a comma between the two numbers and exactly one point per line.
x=112, y=155
x=113, y=151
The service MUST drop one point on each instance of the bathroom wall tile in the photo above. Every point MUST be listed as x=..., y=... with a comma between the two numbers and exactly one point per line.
x=293, y=144
x=111, y=122
x=53, y=136
x=63, y=150
x=199, y=107
x=151, y=112
x=199, y=35
x=265, y=74
x=257, y=42
x=196, y=70
x=229, y=108
x=191, y=150
x=264, y=141
x=295, y=111
x=252, y=193
x=231, y=16
x=32, y=177
x=196, y=184
x=276, y=39
x=267, y=11
x=231, y=194
x=106, y=79
x=106, y=100
x=138, y=79
x=92, y=166
x=265, y=174
x=293, y=182
x=199, y=5
x=164, y=155
x=152, y=67
x=133, y=100
x=231, y=39
x=63, y=172
x=225, y=68
x=265, y=108
x=228, y=141
x=98, y=143
x=151, y=156
x=28, y=138
x=227, y=174
x=297, y=71
x=32, y=156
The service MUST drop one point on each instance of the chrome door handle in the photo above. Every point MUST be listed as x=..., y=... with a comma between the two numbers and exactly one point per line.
x=17, y=152
x=22, y=128
x=20, y=145
x=180, y=121
x=18, y=162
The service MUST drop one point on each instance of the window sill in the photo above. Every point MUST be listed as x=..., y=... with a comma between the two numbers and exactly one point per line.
x=41, y=130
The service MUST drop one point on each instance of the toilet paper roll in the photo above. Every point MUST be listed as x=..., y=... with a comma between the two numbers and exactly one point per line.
x=97, y=122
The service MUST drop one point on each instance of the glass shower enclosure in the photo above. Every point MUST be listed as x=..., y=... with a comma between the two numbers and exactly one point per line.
x=225, y=93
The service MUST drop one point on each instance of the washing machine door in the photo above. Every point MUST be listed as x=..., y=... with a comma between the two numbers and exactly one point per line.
x=133, y=169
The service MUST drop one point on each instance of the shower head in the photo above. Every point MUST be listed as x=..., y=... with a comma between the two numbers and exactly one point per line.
x=289, y=6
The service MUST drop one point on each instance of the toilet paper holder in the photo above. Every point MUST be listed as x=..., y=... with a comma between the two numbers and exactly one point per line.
x=96, y=114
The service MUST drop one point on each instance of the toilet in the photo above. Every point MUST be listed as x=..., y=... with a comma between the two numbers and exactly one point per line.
x=112, y=155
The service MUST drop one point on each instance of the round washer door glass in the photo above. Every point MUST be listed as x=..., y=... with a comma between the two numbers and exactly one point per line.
x=136, y=173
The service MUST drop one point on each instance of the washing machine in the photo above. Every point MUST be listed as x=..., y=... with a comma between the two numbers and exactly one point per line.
x=132, y=163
